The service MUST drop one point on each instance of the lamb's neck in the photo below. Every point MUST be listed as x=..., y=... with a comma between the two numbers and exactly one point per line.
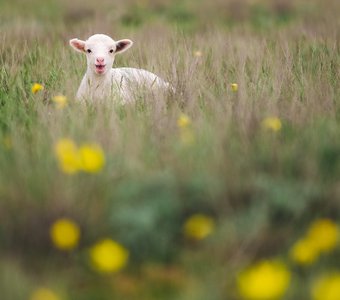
x=94, y=79
x=95, y=86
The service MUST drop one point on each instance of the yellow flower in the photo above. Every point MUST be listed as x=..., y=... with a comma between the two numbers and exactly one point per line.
x=324, y=235
x=198, y=53
x=234, y=87
x=327, y=287
x=44, y=294
x=272, y=123
x=186, y=134
x=67, y=155
x=198, y=227
x=266, y=280
x=303, y=252
x=108, y=256
x=60, y=101
x=36, y=87
x=183, y=121
x=88, y=158
x=65, y=234
x=92, y=158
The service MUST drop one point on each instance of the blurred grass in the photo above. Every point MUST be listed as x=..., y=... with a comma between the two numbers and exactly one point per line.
x=262, y=188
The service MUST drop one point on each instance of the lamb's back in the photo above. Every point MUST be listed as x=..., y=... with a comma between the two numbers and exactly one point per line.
x=137, y=76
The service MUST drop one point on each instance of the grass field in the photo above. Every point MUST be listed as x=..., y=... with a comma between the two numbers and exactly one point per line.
x=227, y=188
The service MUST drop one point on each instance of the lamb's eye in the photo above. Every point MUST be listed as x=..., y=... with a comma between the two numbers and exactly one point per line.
x=111, y=51
x=88, y=50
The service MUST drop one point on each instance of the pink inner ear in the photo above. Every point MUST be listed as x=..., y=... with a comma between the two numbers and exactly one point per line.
x=78, y=44
x=121, y=45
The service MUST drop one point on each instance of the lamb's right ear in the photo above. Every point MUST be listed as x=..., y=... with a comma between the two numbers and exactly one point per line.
x=78, y=45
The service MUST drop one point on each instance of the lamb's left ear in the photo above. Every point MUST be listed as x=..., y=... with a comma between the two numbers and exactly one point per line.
x=78, y=45
x=123, y=45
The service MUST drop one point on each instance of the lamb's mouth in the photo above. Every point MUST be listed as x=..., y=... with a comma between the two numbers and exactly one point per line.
x=100, y=68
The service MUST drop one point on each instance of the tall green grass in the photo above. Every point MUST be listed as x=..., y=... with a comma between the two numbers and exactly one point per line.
x=262, y=188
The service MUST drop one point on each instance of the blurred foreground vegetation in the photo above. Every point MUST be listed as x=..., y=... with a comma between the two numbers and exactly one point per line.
x=226, y=189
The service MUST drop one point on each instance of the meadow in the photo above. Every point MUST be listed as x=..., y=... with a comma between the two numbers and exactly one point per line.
x=226, y=188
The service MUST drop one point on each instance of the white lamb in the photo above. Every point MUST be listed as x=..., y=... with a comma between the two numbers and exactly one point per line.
x=101, y=81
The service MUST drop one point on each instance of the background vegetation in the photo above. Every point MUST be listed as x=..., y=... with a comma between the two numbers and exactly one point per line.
x=207, y=149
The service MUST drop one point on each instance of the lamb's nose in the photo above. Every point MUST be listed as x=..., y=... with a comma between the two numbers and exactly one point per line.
x=100, y=60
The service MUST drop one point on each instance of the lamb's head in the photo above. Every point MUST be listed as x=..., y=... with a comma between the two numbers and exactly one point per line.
x=100, y=51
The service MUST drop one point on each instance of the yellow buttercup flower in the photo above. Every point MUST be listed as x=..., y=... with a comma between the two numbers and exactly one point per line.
x=198, y=227
x=234, y=87
x=183, y=121
x=36, y=87
x=266, y=280
x=108, y=256
x=88, y=158
x=60, y=101
x=44, y=294
x=324, y=235
x=327, y=287
x=186, y=133
x=272, y=123
x=68, y=156
x=303, y=252
x=65, y=234
x=92, y=158
x=198, y=53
